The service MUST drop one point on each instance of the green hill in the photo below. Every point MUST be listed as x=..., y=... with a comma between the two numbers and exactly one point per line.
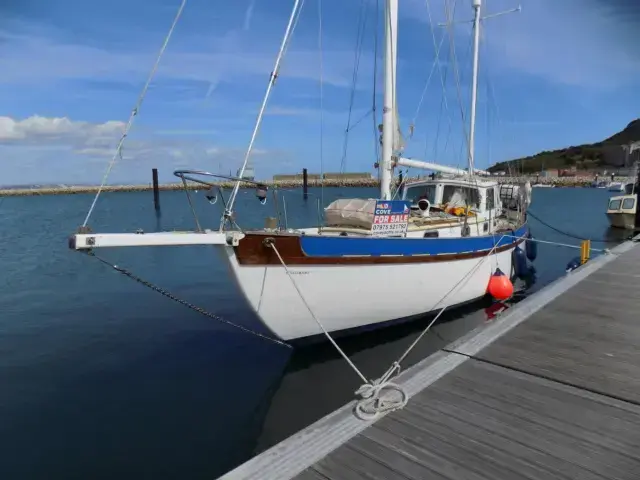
x=605, y=154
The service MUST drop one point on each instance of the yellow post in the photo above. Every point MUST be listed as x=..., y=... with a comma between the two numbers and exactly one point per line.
x=585, y=251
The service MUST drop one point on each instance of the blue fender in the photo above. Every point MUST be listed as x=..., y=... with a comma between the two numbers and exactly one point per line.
x=573, y=264
x=531, y=247
x=519, y=260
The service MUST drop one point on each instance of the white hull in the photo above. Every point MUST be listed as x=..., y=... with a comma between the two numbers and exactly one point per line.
x=622, y=220
x=351, y=296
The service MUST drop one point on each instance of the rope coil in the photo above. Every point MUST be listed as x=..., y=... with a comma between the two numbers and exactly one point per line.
x=379, y=398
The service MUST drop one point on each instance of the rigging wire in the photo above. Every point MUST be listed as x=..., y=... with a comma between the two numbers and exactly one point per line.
x=362, y=22
x=462, y=77
x=450, y=16
x=286, y=40
x=426, y=86
x=134, y=112
x=376, y=142
x=321, y=102
x=491, y=95
x=444, y=104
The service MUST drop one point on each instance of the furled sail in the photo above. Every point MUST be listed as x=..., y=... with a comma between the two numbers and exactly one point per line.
x=398, y=139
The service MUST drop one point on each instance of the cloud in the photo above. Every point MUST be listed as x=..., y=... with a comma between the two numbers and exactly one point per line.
x=44, y=58
x=586, y=46
x=181, y=132
x=291, y=111
x=579, y=47
x=67, y=150
x=248, y=15
x=37, y=129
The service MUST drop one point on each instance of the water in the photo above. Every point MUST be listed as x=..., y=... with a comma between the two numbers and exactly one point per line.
x=102, y=378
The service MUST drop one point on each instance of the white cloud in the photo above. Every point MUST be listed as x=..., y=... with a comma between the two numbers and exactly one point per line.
x=291, y=111
x=68, y=150
x=180, y=132
x=41, y=59
x=96, y=151
x=581, y=46
x=248, y=15
x=42, y=129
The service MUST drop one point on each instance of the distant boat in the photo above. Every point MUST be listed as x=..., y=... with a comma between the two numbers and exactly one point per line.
x=542, y=185
x=616, y=187
x=248, y=174
x=621, y=211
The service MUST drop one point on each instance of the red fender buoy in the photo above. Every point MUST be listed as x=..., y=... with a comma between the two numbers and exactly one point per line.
x=500, y=287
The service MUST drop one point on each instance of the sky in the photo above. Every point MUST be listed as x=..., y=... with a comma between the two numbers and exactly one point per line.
x=558, y=73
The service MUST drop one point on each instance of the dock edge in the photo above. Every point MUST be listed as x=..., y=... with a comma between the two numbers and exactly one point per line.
x=293, y=455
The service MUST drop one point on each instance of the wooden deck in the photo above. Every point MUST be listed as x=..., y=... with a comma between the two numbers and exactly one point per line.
x=551, y=390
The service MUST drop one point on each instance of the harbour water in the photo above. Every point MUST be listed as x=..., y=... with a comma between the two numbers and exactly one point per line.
x=102, y=377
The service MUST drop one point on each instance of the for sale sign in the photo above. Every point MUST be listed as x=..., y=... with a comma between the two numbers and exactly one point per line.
x=391, y=218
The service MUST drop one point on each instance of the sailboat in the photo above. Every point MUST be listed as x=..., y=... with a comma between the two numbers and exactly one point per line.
x=373, y=261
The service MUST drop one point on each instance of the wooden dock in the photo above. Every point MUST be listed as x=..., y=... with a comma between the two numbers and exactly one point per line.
x=549, y=390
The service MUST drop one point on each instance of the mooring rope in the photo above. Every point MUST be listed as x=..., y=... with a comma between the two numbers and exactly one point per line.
x=372, y=402
x=559, y=244
x=565, y=233
x=191, y=306
x=395, y=366
x=381, y=395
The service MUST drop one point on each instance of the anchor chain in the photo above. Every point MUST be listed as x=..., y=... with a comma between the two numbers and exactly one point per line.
x=189, y=305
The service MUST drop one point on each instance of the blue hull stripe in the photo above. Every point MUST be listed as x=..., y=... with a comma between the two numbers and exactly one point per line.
x=319, y=246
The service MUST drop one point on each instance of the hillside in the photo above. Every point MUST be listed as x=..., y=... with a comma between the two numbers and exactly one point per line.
x=605, y=154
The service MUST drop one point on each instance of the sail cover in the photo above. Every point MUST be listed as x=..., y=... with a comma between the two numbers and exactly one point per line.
x=350, y=212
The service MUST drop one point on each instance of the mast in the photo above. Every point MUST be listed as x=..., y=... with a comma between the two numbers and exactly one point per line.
x=474, y=86
x=389, y=126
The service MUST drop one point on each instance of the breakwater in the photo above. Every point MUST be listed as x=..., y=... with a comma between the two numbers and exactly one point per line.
x=284, y=184
x=92, y=189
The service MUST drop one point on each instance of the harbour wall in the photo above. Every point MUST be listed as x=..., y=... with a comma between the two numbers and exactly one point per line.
x=578, y=181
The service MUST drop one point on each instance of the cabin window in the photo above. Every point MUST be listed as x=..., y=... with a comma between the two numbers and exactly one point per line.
x=491, y=199
x=455, y=196
x=424, y=191
x=628, y=203
x=615, y=204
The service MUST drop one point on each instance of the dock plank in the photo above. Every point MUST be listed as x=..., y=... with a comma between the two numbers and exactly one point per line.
x=467, y=426
x=311, y=474
x=350, y=463
x=589, y=337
